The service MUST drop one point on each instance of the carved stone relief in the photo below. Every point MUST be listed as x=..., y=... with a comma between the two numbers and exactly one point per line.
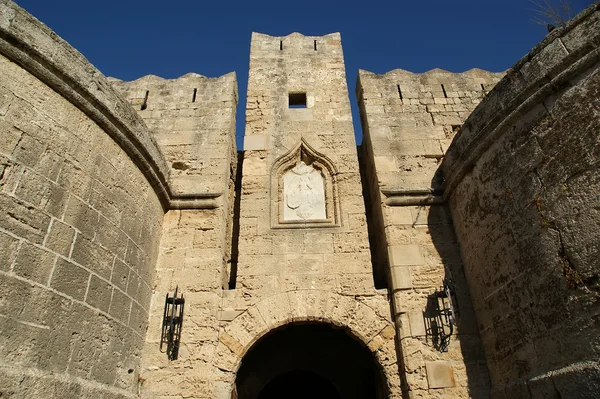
x=304, y=190
x=303, y=194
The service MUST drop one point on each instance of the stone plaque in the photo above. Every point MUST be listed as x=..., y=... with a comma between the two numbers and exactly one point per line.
x=303, y=194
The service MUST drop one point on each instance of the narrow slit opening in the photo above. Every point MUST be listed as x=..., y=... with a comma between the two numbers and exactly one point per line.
x=444, y=90
x=315, y=44
x=280, y=45
x=400, y=92
x=235, y=230
x=194, y=95
x=145, y=103
x=482, y=87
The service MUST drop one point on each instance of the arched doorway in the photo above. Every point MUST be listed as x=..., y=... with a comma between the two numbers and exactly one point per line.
x=309, y=360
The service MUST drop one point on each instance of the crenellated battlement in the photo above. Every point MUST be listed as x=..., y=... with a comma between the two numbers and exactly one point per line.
x=306, y=263
x=192, y=118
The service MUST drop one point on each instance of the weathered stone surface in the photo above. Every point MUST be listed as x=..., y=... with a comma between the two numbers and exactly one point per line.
x=61, y=206
x=409, y=120
x=88, y=166
x=522, y=189
x=439, y=375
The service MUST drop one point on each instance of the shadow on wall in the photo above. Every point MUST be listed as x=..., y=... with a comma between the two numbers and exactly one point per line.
x=450, y=323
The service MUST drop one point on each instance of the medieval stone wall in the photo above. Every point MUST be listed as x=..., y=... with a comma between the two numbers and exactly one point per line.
x=192, y=119
x=408, y=122
x=293, y=259
x=279, y=234
x=522, y=183
x=80, y=223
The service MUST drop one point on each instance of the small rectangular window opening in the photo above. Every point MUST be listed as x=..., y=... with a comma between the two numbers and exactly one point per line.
x=315, y=44
x=400, y=92
x=482, y=87
x=297, y=100
x=145, y=103
x=280, y=45
x=444, y=90
x=194, y=95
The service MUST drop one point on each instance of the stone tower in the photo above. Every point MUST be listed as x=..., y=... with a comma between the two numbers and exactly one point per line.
x=309, y=267
x=303, y=241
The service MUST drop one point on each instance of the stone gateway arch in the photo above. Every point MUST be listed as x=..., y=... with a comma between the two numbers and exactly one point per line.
x=454, y=253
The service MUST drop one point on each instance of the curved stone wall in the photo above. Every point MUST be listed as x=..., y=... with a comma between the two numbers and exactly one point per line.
x=522, y=181
x=80, y=221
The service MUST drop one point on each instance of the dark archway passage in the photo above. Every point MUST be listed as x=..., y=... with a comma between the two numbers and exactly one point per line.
x=311, y=360
x=299, y=384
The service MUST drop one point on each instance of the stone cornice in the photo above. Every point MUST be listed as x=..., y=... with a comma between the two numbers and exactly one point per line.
x=37, y=49
x=413, y=197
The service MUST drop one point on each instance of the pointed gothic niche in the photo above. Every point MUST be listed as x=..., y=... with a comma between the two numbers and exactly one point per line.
x=304, y=190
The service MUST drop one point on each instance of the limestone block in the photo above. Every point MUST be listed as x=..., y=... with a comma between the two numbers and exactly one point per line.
x=254, y=143
x=401, y=278
x=120, y=306
x=304, y=264
x=412, y=354
x=440, y=375
x=307, y=305
x=399, y=215
x=386, y=164
x=34, y=263
x=356, y=284
x=99, y=294
x=261, y=265
x=7, y=256
x=417, y=324
x=24, y=221
x=338, y=309
x=275, y=311
x=448, y=118
x=225, y=358
x=386, y=356
x=299, y=114
x=320, y=242
x=201, y=258
x=70, y=279
x=365, y=322
x=231, y=343
x=229, y=314
x=347, y=263
x=247, y=328
x=291, y=242
x=254, y=166
x=405, y=255
x=351, y=242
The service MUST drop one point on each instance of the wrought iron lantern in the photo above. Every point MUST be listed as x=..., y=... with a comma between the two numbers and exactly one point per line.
x=441, y=315
x=171, y=325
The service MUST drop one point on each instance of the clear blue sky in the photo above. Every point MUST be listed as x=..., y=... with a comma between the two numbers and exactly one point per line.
x=128, y=39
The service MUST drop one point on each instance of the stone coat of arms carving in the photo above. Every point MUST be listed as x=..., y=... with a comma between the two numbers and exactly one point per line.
x=303, y=194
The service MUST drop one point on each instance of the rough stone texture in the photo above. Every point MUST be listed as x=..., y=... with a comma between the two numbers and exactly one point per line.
x=300, y=261
x=86, y=175
x=522, y=183
x=408, y=122
x=75, y=212
x=193, y=121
